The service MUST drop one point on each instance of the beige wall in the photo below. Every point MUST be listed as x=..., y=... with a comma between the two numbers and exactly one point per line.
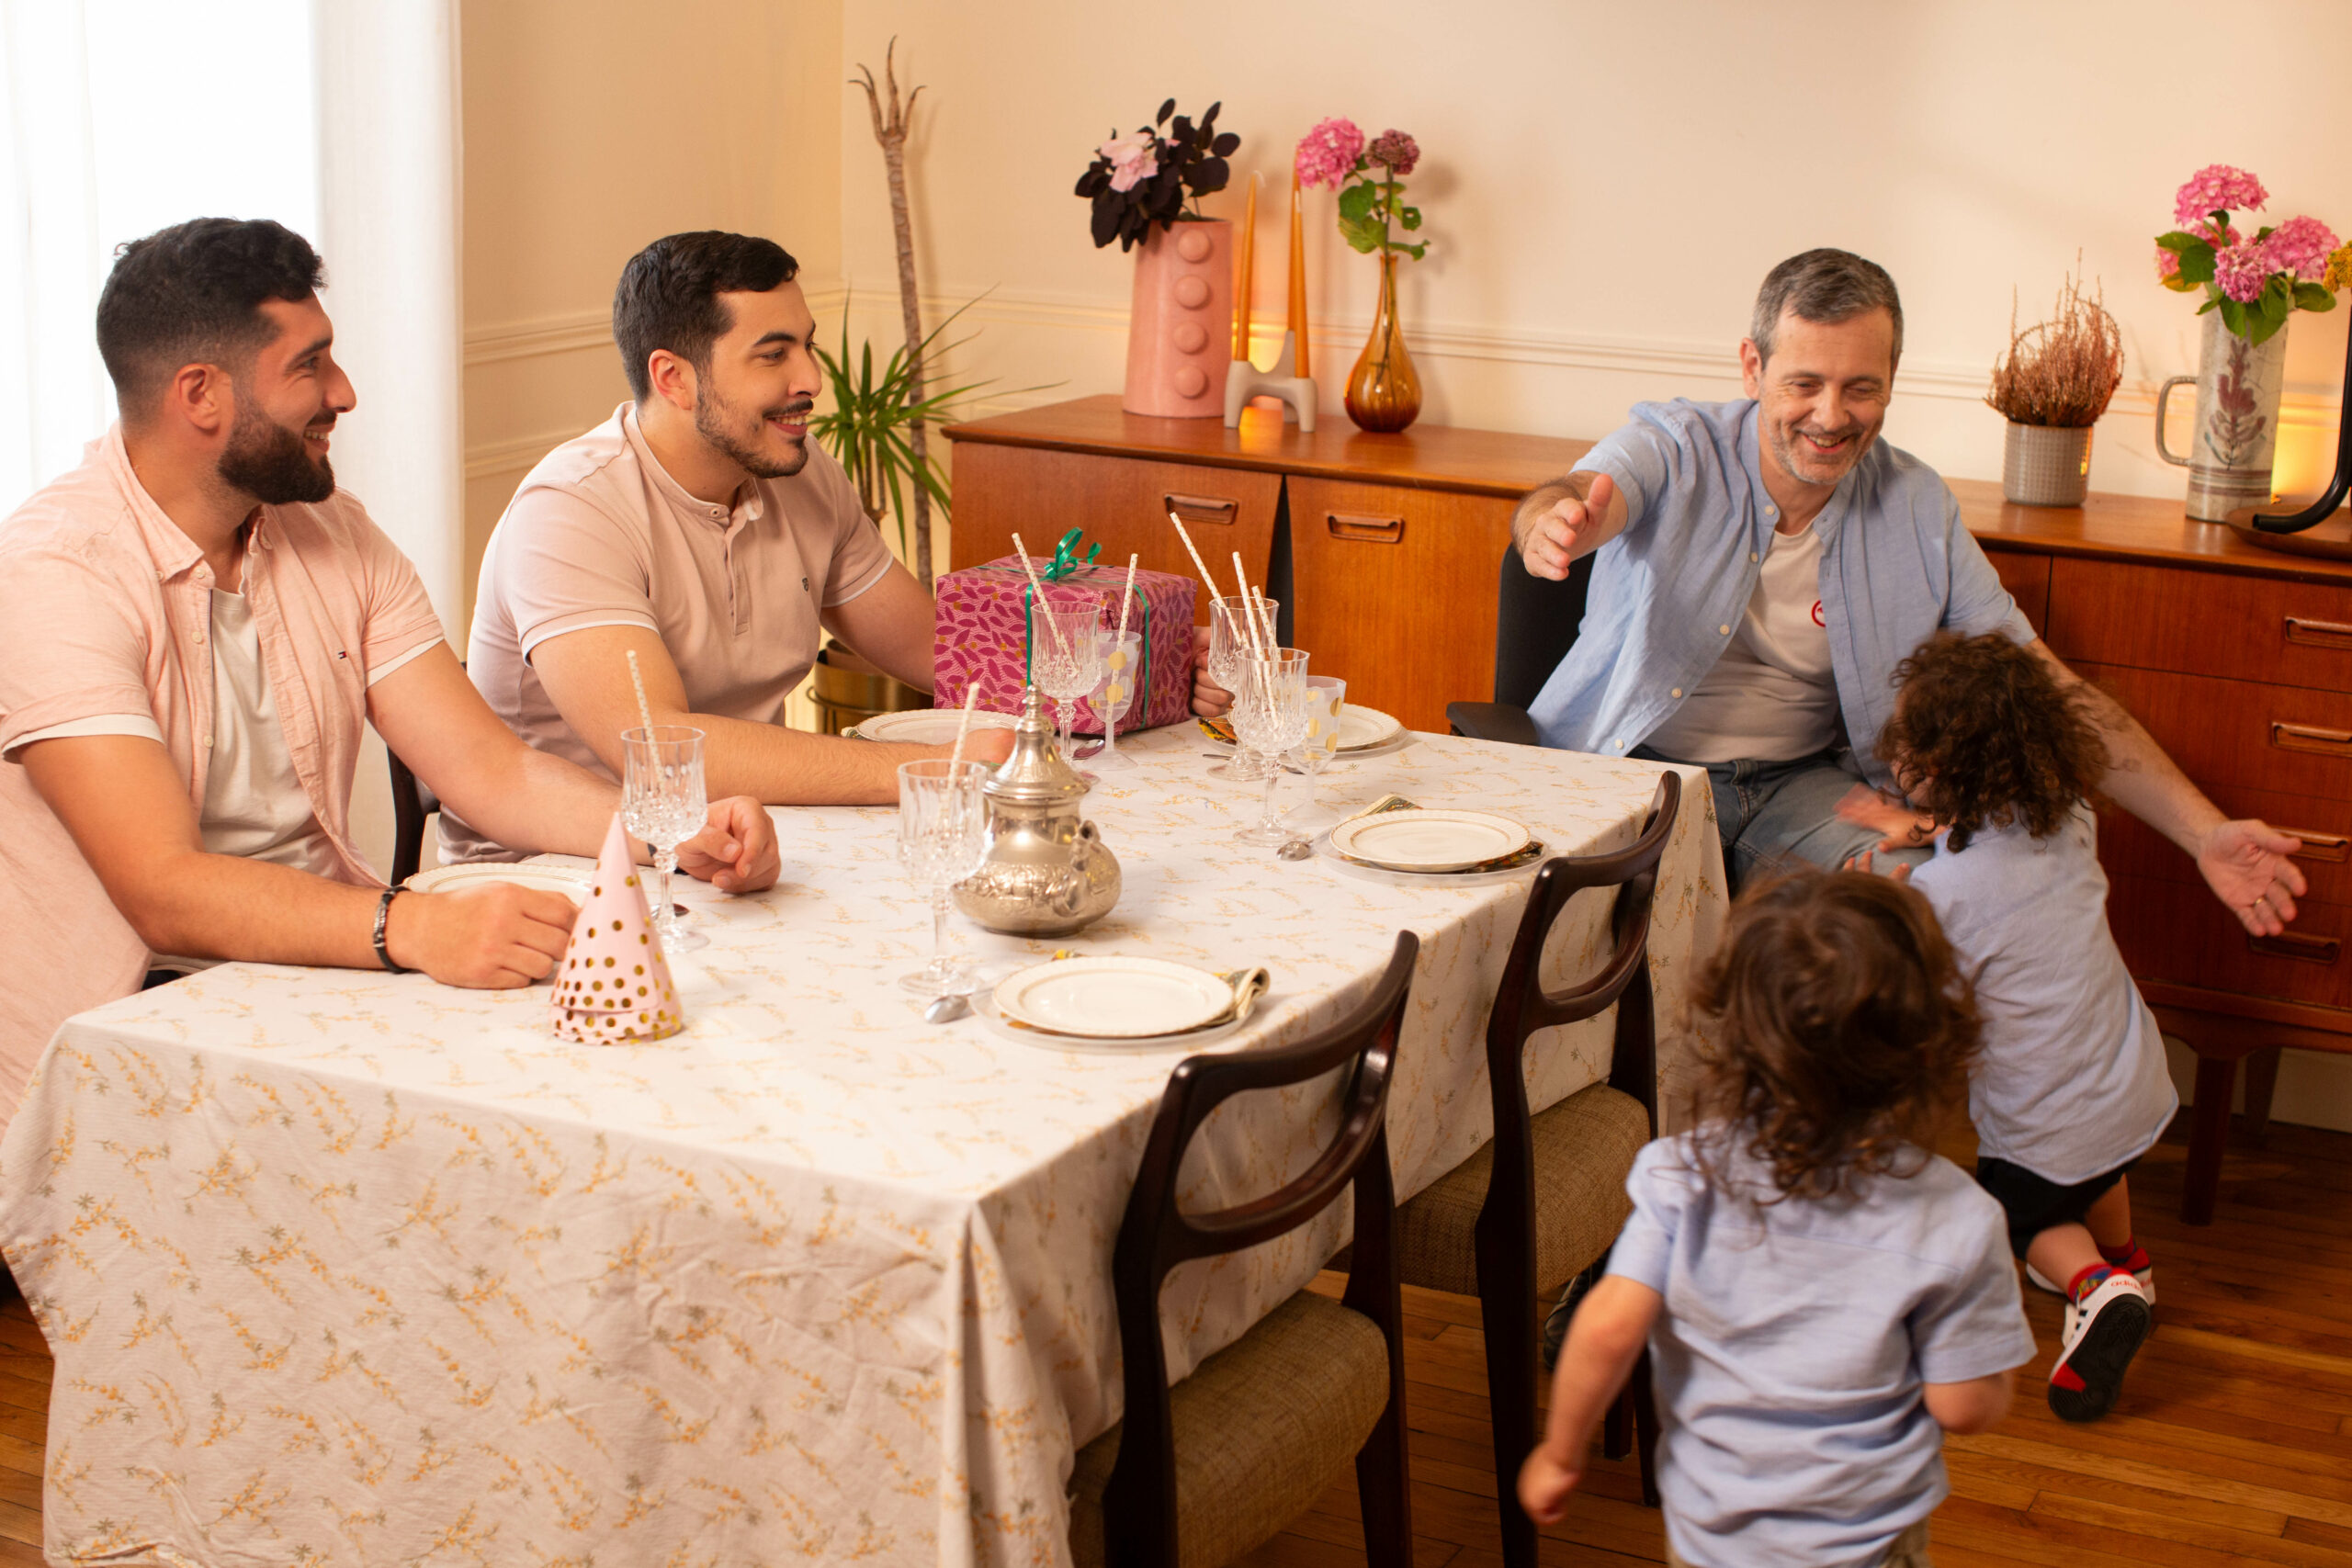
x=1606, y=183
x=591, y=128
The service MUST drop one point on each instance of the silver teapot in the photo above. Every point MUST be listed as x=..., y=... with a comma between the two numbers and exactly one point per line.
x=1047, y=872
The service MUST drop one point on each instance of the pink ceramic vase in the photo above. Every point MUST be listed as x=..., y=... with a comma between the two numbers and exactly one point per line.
x=1180, y=333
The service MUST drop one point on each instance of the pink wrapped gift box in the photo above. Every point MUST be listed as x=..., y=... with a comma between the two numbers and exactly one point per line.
x=981, y=635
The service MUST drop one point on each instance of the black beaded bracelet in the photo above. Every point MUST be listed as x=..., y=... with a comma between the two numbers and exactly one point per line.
x=383, y=919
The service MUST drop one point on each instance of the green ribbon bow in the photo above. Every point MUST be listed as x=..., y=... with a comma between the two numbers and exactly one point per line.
x=1066, y=561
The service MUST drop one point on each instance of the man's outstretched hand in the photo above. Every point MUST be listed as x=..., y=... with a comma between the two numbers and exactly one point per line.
x=1551, y=540
x=2246, y=863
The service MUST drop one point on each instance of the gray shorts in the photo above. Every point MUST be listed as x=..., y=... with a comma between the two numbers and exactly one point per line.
x=1909, y=1550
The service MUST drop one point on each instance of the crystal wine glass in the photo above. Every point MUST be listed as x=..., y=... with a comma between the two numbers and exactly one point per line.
x=662, y=802
x=1229, y=644
x=1326, y=695
x=1122, y=674
x=1269, y=712
x=942, y=839
x=1065, y=656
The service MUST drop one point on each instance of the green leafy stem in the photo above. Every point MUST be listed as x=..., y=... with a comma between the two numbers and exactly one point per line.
x=1372, y=208
x=2256, y=320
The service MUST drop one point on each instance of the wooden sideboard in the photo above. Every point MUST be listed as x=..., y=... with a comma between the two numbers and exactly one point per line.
x=1384, y=547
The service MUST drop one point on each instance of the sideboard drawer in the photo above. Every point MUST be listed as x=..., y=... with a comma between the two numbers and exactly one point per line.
x=1121, y=501
x=2027, y=577
x=2131, y=848
x=1394, y=590
x=2245, y=628
x=2286, y=739
x=2169, y=932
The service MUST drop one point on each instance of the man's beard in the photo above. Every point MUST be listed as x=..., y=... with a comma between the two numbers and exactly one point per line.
x=711, y=409
x=1809, y=466
x=271, y=463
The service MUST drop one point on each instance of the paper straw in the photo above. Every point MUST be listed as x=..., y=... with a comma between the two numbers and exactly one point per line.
x=1258, y=606
x=1250, y=610
x=1189, y=550
x=644, y=708
x=1127, y=596
x=963, y=727
x=1038, y=589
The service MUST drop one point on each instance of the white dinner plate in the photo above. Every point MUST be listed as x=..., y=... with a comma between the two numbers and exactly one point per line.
x=927, y=727
x=571, y=882
x=1360, y=728
x=1114, y=998
x=1429, y=840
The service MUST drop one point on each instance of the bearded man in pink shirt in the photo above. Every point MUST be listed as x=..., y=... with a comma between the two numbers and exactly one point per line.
x=699, y=528
x=193, y=625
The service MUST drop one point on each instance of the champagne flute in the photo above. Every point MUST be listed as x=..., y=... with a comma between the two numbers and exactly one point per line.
x=1229, y=644
x=1270, y=711
x=942, y=839
x=662, y=802
x=1123, y=673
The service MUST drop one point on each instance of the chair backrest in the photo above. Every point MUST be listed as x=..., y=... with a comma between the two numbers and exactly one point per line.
x=1523, y=1004
x=1140, y=1499
x=412, y=804
x=1536, y=622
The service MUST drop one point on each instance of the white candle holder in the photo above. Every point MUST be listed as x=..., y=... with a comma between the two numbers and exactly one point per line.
x=1245, y=382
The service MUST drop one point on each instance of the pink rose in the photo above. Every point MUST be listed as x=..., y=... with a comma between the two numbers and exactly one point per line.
x=1327, y=153
x=1135, y=158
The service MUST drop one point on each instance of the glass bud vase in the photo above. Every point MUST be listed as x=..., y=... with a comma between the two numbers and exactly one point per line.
x=1383, y=390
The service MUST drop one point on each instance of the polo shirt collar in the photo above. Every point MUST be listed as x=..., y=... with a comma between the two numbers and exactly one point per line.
x=172, y=551
x=749, y=504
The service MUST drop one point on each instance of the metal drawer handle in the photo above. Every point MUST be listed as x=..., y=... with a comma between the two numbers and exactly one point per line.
x=1203, y=508
x=2294, y=944
x=2320, y=634
x=1365, y=530
x=2320, y=846
x=2311, y=738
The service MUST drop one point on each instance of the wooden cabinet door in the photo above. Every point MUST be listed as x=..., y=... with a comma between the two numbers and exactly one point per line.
x=2027, y=577
x=1121, y=501
x=2273, y=630
x=1393, y=590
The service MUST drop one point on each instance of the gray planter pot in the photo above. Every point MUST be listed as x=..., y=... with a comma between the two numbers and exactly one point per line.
x=2046, y=465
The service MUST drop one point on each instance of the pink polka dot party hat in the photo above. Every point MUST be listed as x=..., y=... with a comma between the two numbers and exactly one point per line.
x=613, y=985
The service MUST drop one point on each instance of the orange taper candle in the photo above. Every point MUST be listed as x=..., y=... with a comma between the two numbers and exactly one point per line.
x=1245, y=271
x=1297, y=278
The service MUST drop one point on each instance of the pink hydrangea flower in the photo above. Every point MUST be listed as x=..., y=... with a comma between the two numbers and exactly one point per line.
x=1327, y=153
x=2167, y=263
x=2300, y=245
x=2241, y=270
x=1395, y=152
x=2216, y=188
x=1135, y=158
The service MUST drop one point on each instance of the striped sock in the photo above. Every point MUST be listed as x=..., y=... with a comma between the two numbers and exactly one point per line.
x=2089, y=1280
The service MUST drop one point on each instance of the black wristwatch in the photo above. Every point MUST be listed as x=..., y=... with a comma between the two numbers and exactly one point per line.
x=383, y=919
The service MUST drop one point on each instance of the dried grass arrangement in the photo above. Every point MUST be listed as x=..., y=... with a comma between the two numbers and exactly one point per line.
x=2060, y=372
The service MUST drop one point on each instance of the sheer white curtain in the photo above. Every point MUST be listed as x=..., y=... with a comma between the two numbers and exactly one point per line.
x=337, y=117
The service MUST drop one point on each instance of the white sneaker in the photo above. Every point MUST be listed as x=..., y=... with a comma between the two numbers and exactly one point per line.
x=2145, y=1274
x=2103, y=1331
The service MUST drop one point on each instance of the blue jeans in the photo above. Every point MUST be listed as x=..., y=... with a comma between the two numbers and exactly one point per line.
x=1773, y=812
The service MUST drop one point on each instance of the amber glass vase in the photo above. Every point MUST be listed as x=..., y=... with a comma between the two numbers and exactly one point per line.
x=1383, y=390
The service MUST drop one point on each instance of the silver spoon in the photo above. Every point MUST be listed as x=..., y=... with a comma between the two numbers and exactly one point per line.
x=1297, y=848
x=947, y=1009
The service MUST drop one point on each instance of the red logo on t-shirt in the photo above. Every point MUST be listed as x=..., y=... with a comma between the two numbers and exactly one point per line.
x=1816, y=615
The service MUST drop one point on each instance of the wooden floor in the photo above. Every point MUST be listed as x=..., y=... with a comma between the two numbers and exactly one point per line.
x=2231, y=1447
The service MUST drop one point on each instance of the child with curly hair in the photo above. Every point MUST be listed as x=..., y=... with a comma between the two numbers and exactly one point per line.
x=1822, y=1297
x=2071, y=1089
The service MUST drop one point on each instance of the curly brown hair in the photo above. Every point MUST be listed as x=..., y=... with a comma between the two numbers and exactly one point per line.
x=1846, y=1029
x=1984, y=736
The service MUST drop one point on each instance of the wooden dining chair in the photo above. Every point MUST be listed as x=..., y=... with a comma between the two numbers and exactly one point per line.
x=1543, y=1201
x=1198, y=1475
x=412, y=802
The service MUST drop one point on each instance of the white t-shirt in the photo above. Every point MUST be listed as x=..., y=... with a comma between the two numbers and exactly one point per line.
x=1773, y=697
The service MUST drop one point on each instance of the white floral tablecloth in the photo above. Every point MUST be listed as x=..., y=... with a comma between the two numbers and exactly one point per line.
x=352, y=1268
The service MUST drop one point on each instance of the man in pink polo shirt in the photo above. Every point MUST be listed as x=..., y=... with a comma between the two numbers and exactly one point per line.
x=193, y=625
x=699, y=528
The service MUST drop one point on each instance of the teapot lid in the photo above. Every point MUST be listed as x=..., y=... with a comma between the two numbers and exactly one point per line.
x=1035, y=774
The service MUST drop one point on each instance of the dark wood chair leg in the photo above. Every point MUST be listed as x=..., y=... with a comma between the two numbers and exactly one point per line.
x=1382, y=1490
x=1506, y=1311
x=1645, y=1423
x=2209, y=1129
x=2261, y=1085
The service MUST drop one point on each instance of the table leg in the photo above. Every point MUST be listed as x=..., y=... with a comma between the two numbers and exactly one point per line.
x=2209, y=1130
x=2261, y=1084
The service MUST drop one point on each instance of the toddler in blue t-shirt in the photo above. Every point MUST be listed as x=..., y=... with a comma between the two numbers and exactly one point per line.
x=1822, y=1297
x=2072, y=1086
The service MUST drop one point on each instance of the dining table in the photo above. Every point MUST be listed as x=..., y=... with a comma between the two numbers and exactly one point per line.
x=352, y=1267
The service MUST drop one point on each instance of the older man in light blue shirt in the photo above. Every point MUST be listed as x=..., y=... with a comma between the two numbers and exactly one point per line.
x=1762, y=565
